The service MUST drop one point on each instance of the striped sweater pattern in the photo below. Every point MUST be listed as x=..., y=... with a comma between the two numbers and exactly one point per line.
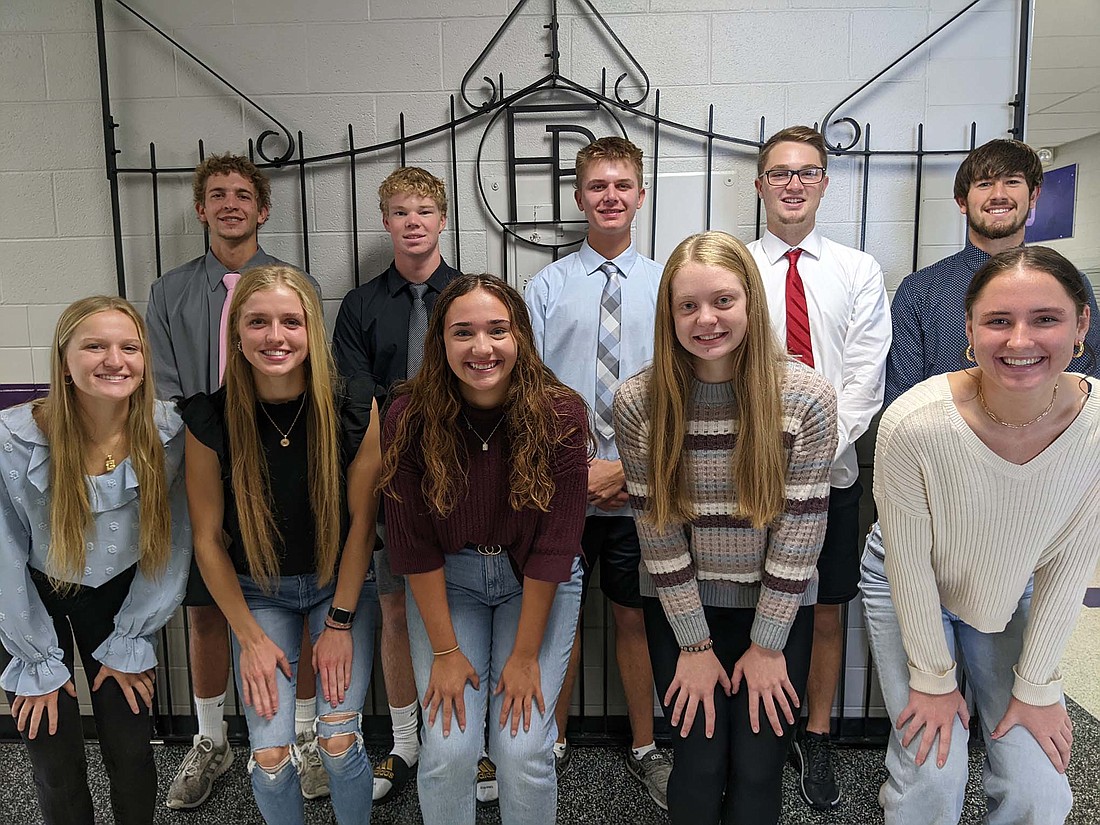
x=718, y=559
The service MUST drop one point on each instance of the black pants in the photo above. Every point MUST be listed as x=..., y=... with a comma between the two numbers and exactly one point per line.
x=736, y=777
x=58, y=761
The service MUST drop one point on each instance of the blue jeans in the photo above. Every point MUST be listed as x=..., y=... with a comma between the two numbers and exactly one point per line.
x=351, y=780
x=1020, y=782
x=484, y=598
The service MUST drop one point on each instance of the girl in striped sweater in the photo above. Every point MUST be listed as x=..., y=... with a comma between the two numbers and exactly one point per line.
x=726, y=446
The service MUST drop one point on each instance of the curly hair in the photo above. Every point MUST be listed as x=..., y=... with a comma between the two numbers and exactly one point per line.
x=416, y=181
x=223, y=165
x=429, y=425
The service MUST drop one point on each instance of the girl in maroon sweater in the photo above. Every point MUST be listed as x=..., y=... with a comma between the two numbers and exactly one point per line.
x=486, y=471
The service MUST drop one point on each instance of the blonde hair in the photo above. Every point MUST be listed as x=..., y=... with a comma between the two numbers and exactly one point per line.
x=415, y=181
x=61, y=419
x=249, y=473
x=759, y=469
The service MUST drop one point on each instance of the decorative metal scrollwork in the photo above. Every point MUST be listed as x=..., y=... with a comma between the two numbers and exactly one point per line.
x=278, y=159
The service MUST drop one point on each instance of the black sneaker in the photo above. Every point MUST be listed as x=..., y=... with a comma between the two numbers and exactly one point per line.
x=813, y=755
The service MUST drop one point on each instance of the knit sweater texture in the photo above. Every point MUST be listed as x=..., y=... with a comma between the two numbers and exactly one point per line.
x=540, y=545
x=966, y=529
x=718, y=559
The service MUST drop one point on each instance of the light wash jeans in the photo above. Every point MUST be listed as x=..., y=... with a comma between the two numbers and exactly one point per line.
x=1021, y=785
x=351, y=780
x=484, y=598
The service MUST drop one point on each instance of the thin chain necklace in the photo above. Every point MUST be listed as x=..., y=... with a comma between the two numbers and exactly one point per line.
x=1011, y=426
x=285, y=440
x=484, y=441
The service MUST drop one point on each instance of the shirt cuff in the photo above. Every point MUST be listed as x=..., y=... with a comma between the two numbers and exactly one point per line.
x=127, y=654
x=769, y=634
x=1032, y=694
x=35, y=678
x=549, y=568
x=691, y=629
x=936, y=684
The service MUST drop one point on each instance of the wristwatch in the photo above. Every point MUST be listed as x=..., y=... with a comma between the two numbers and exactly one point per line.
x=337, y=615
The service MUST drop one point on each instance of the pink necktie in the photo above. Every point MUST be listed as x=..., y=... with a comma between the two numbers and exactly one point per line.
x=230, y=280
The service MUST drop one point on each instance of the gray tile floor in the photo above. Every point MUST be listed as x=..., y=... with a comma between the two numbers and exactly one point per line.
x=596, y=790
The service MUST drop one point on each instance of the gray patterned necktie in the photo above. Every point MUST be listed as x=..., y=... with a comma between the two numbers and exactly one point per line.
x=607, y=351
x=418, y=327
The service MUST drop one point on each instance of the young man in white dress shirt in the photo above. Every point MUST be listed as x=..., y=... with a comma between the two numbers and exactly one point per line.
x=828, y=306
x=569, y=302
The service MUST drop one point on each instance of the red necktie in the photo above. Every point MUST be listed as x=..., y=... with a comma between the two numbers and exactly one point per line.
x=798, y=320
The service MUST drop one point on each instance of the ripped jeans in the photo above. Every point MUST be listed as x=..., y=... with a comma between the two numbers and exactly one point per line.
x=279, y=613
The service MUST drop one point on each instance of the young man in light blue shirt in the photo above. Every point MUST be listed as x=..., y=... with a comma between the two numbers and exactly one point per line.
x=592, y=314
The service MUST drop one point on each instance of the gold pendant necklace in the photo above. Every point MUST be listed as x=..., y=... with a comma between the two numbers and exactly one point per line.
x=109, y=462
x=285, y=440
x=1011, y=426
x=484, y=441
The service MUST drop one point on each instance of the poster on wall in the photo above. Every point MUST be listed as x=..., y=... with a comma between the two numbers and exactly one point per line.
x=1052, y=217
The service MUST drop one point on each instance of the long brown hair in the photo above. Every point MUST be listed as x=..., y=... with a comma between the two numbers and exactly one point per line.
x=61, y=417
x=759, y=469
x=430, y=426
x=250, y=478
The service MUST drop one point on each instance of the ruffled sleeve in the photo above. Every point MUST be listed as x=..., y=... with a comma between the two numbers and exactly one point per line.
x=131, y=647
x=25, y=627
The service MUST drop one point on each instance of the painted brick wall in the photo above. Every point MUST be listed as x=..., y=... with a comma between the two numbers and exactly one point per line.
x=322, y=65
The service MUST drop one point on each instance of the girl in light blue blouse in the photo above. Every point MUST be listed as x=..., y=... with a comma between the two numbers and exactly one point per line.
x=94, y=546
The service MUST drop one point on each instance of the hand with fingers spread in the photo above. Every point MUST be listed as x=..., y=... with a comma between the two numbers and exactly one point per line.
x=332, y=661
x=446, y=689
x=693, y=685
x=1049, y=724
x=259, y=666
x=935, y=714
x=27, y=710
x=133, y=685
x=521, y=684
x=765, y=674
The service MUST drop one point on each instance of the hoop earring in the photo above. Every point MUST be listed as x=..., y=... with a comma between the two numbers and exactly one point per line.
x=68, y=380
x=970, y=354
x=239, y=347
x=1078, y=349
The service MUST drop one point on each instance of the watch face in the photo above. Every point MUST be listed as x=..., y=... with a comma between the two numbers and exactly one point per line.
x=340, y=616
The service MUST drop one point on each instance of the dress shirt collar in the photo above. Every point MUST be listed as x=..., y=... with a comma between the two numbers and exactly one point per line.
x=395, y=282
x=592, y=260
x=775, y=248
x=215, y=269
x=973, y=257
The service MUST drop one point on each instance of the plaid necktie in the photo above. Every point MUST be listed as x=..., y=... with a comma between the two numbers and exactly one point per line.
x=607, y=351
x=418, y=328
x=798, y=318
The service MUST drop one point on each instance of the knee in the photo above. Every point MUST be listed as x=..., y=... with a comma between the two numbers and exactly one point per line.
x=394, y=619
x=271, y=760
x=206, y=622
x=337, y=733
x=628, y=620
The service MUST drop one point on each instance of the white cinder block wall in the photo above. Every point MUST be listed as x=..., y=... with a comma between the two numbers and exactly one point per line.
x=1084, y=247
x=322, y=65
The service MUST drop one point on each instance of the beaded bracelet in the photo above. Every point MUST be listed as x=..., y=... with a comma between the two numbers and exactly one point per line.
x=445, y=652
x=702, y=647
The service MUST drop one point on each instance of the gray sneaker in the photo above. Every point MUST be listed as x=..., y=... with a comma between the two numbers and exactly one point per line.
x=195, y=778
x=313, y=776
x=652, y=770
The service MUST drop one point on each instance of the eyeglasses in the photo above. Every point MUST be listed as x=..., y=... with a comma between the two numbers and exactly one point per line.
x=808, y=176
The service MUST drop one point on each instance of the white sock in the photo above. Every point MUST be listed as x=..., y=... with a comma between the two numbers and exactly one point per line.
x=405, y=743
x=305, y=711
x=210, y=713
x=642, y=751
